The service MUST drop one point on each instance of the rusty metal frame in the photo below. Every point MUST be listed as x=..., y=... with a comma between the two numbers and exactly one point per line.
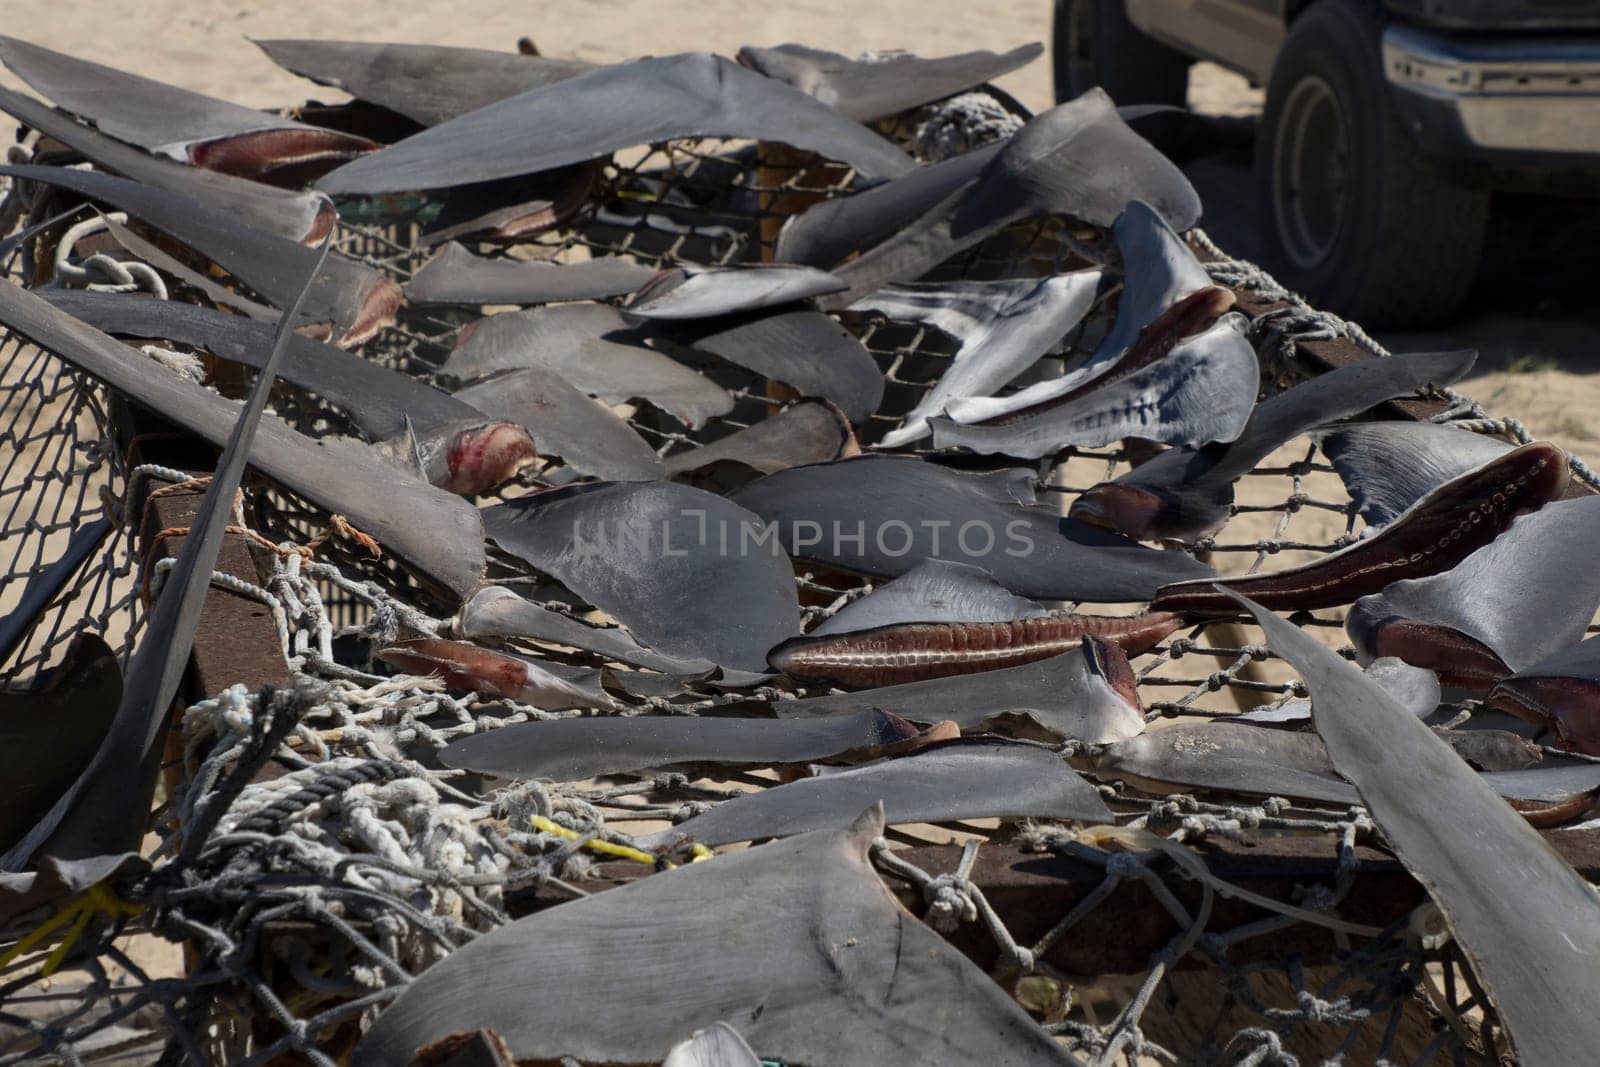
x=237, y=640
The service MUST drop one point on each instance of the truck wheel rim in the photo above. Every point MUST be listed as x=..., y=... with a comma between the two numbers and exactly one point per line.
x=1310, y=172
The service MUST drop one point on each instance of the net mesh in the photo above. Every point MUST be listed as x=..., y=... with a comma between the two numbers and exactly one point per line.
x=312, y=856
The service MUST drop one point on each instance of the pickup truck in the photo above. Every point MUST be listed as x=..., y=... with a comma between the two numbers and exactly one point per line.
x=1386, y=127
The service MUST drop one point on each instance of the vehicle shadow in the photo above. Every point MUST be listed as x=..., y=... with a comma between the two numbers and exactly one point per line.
x=1534, y=305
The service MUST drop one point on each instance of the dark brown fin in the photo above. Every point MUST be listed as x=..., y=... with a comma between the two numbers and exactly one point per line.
x=1130, y=510
x=889, y=728
x=1111, y=663
x=1542, y=816
x=1569, y=707
x=478, y=1048
x=1457, y=659
x=288, y=158
x=481, y=213
x=1192, y=315
x=461, y=666
x=913, y=652
x=378, y=310
x=897, y=737
x=1494, y=750
x=1435, y=534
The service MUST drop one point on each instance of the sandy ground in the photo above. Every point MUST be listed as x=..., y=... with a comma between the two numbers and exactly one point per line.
x=203, y=44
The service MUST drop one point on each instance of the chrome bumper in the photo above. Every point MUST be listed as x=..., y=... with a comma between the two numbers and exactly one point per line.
x=1500, y=98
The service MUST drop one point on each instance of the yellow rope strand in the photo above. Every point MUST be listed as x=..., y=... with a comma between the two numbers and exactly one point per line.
x=611, y=848
x=97, y=899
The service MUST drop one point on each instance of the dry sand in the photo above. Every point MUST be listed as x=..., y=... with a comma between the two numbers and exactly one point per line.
x=203, y=45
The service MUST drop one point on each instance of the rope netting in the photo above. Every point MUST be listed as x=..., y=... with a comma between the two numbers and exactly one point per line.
x=312, y=855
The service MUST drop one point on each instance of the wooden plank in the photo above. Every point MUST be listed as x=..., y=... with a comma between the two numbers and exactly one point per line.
x=237, y=640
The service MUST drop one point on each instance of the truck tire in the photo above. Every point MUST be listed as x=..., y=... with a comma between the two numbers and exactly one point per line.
x=1093, y=43
x=1353, y=215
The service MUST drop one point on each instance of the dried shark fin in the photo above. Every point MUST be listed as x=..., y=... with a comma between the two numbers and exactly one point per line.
x=54, y=880
x=708, y=292
x=455, y=276
x=1202, y=392
x=1004, y=327
x=976, y=778
x=497, y=612
x=513, y=210
x=1388, y=466
x=589, y=437
x=574, y=749
x=826, y=233
x=913, y=651
x=104, y=811
x=355, y=298
x=803, y=349
x=1185, y=494
x=675, y=565
x=1517, y=600
x=470, y=668
x=935, y=590
x=809, y=431
x=456, y=446
x=1560, y=693
x=1340, y=393
x=1077, y=159
x=187, y=126
x=1087, y=694
x=1553, y=781
x=1529, y=924
x=1433, y=535
x=1158, y=306
x=436, y=535
x=601, y=111
x=427, y=83
x=592, y=347
x=1240, y=756
x=214, y=290
x=1413, y=688
x=1228, y=758
x=910, y=510
x=376, y=399
x=718, y=1045
x=302, y=217
x=867, y=90
x=901, y=994
x=480, y=1048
